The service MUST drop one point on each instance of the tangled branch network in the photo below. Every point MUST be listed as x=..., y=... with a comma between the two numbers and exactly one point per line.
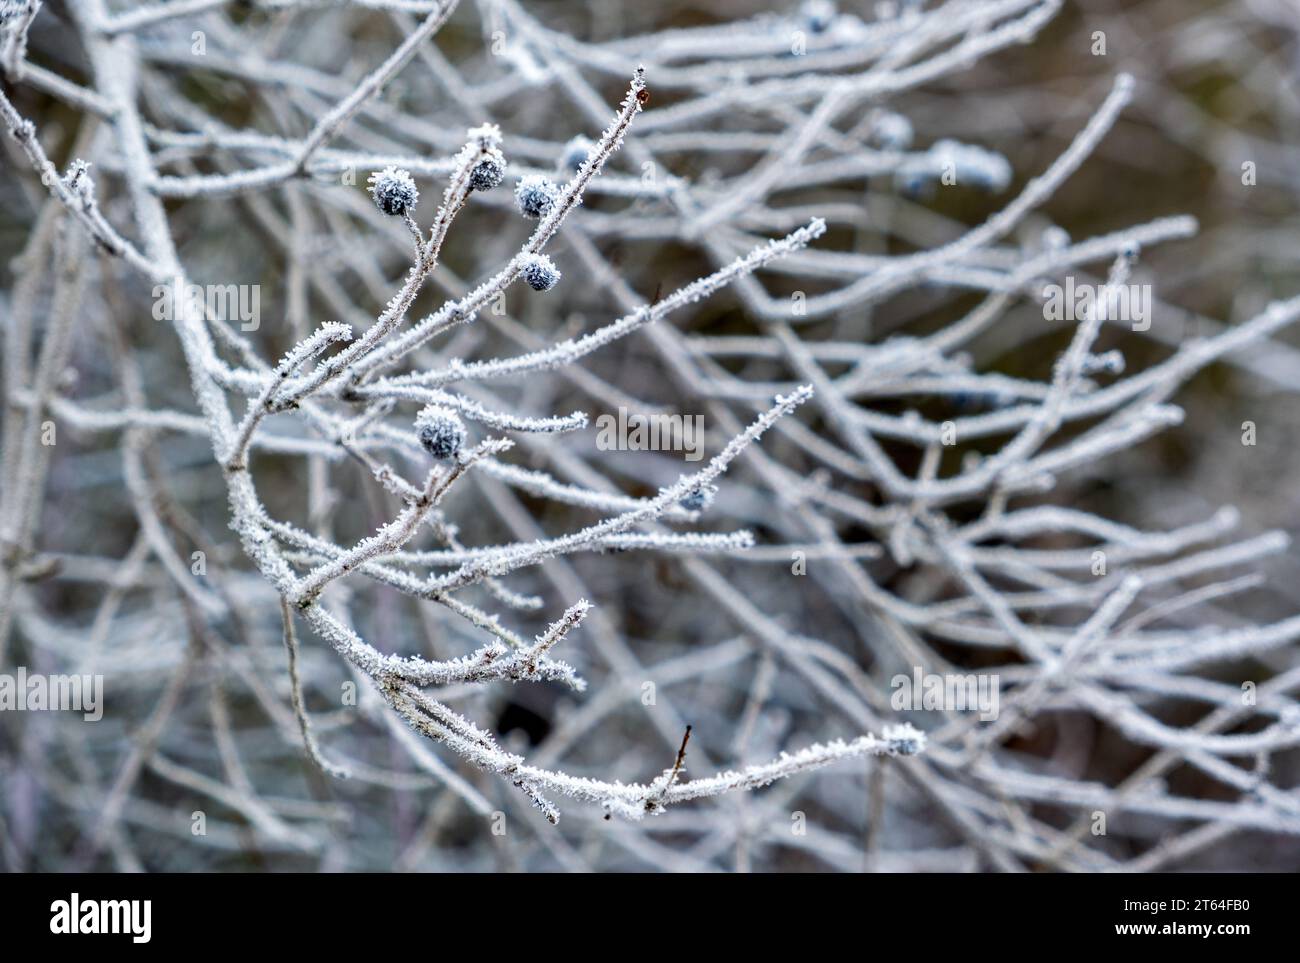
x=265, y=399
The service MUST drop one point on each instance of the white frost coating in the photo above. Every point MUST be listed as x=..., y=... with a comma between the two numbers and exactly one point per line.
x=421, y=574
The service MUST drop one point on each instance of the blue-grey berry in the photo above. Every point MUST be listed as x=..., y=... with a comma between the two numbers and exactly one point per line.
x=536, y=195
x=576, y=153
x=488, y=172
x=394, y=191
x=441, y=432
x=818, y=14
x=699, y=498
x=1054, y=238
x=913, y=181
x=892, y=131
x=540, y=272
x=905, y=744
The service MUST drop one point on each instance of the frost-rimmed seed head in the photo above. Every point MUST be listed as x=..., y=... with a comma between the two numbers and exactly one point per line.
x=951, y=162
x=699, y=498
x=536, y=195
x=490, y=169
x=441, y=432
x=576, y=153
x=903, y=740
x=488, y=172
x=394, y=191
x=540, y=272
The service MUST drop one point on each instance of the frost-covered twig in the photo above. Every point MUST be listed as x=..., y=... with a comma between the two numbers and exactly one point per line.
x=932, y=508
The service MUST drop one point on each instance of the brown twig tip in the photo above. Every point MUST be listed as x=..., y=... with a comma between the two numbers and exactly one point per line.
x=681, y=758
x=681, y=753
x=655, y=803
